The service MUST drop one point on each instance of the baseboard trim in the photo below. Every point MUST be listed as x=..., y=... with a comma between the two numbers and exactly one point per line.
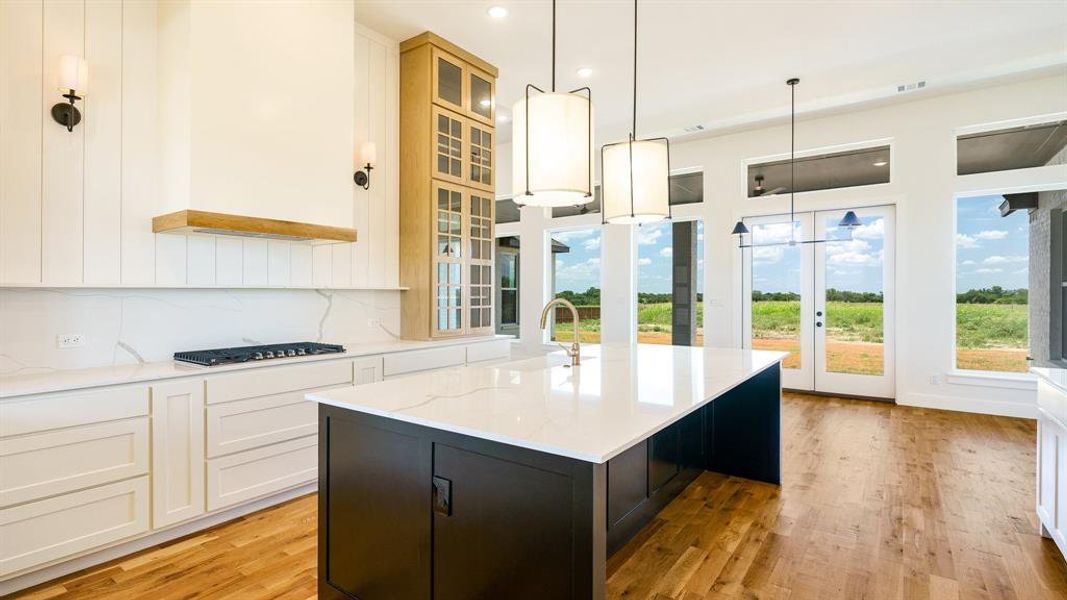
x=70, y=565
x=1001, y=408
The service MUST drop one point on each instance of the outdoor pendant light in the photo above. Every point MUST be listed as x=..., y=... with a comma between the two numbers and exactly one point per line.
x=636, y=173
x=850, y=221
x=552, y=144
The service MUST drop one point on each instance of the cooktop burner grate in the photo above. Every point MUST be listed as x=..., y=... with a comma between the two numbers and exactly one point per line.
x=222, y=356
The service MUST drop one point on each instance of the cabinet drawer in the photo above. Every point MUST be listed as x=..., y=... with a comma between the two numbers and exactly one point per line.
x=57, y=462
x=276, y=380
x=41, y=413
x=239, y=477
x=493, y=350
x=246, y=424
x=423, y=360
x=35, y=533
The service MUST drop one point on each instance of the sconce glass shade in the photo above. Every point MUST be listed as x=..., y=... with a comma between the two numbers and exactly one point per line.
x=553, y=166
x=636, y=181
x=73, y=75
x=739, y=228
x=368, y=154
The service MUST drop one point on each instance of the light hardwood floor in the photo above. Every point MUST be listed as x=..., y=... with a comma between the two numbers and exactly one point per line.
x=879, y=501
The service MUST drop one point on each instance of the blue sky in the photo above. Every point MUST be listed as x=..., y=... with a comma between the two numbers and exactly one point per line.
x=579, y=269
x=990, y=249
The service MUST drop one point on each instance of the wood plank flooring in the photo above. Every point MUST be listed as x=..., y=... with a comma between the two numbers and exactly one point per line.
x=879, y=501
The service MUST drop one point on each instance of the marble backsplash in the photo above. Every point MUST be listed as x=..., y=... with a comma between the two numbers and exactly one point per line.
x=126, y=326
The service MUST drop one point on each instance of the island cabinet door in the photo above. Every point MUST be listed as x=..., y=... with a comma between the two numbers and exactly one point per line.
x=507, y=530
x=374, y=509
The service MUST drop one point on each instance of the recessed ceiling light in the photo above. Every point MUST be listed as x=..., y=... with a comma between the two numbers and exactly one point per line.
x=497, y=12
x=584, y=72
x=880, y=163
x=485, y=102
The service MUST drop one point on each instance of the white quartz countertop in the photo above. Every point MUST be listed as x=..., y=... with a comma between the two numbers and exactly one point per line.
x=73, y=379
x=619, y=396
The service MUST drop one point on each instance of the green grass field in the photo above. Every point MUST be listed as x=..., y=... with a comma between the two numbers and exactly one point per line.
x=989, y=336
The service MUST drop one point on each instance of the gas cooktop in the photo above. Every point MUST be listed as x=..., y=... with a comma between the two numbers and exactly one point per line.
x=222, y=356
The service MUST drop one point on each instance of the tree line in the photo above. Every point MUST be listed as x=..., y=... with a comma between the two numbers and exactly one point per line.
x=591, y=297
x=989, y=295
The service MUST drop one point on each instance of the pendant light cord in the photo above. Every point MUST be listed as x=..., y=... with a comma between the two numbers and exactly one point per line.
x=553, y=45
x=633, y=122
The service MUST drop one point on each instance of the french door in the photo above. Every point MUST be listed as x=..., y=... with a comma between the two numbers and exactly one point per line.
x=828, y=303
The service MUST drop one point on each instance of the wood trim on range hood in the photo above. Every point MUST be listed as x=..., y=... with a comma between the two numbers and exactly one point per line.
x=198, y=221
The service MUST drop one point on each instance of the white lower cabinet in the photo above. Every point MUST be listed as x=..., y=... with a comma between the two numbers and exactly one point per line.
x=1052, y=464
x=247, y=475
x=46, y=464
x=42, y=531
x=177, y=451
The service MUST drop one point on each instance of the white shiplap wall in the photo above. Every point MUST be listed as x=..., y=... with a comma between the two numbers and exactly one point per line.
x=76, y=208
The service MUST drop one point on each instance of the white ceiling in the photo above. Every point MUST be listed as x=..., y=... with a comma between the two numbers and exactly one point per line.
x=723, y=64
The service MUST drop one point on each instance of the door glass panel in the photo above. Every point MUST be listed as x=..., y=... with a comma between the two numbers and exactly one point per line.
x=449, y=148
x=776, y=286
x=576, y=277
x=481, y=156
x=449, y=82
x=481, y=97
x=854, y=320
x=481, y=278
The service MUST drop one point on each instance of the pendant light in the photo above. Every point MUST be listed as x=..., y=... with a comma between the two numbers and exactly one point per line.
x=636, y=173
x=848, y=222
x=552, y=144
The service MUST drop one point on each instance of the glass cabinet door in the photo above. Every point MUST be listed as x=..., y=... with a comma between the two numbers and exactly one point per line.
x=481, y=261
x=448, y=153
x=481, y=103
x=448, y=80
x=480, y=157
x=448, y=261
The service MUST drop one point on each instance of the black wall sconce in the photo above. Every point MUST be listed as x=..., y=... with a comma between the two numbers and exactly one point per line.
x=73, y=81
x=368, y=156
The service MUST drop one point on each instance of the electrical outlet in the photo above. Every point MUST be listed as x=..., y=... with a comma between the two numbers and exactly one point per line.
x=374, y=322
x=70, y=340
x=935, y=379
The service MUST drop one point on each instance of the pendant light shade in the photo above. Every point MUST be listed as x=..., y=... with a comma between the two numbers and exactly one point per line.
x=636, y=173
x=636, y=186
x=850, y=220
x=552, y=146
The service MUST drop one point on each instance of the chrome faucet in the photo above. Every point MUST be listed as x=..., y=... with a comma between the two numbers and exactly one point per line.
x=575, y=351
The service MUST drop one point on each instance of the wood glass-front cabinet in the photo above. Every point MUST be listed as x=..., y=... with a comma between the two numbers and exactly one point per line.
x=447, y=184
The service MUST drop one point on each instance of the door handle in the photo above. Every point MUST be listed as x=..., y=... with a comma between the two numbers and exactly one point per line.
x=818, y=313
x=442, y=496
x=818, y=323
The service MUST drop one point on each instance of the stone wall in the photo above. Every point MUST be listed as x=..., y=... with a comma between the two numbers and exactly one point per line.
x=1042, y=319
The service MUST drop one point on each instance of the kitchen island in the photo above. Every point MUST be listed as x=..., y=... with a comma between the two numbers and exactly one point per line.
x=518, y=480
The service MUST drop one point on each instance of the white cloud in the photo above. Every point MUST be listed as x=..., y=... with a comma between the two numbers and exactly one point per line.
x=767, y=254
x=874, y=230
x=647, y=236
x=991, y=234
x=857, y=253
x=575, y=235
x=1003, y=260
x=666, y=251
x=987, y=270
x=644, y=261
x=965, y=241
x=771, y=233
x=967, y=263
x=592, y=243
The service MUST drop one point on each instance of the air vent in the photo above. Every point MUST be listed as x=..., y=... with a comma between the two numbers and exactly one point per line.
x=911, y=87
x=693, y=128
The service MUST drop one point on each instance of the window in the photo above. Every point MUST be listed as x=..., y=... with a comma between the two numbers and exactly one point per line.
x=992, y=264
x=576, y=277
x=1014, y=148
x=507, y=285
x=670, y=283
x=867, y=166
